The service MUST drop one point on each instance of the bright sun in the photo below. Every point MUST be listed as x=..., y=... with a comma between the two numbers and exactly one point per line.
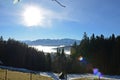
x=32, y=16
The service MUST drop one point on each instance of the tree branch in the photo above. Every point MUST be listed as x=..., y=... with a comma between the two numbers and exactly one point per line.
x=59, y=3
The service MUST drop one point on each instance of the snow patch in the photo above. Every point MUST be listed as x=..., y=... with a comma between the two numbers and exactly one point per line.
x=69, y=76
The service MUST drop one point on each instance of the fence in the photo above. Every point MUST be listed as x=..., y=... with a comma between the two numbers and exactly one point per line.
x=6, y=74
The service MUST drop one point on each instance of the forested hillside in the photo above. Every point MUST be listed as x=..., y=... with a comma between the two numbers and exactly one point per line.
x=97, y=52
x=100, y=52
x=17, y=54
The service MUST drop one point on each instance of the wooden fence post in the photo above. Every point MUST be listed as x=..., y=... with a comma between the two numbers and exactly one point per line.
x=6, y=74
x=30, y=76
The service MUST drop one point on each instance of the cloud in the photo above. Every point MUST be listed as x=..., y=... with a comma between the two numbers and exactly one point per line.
x=49, y=16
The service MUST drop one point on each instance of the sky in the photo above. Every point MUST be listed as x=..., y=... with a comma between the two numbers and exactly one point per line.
x=49, y=20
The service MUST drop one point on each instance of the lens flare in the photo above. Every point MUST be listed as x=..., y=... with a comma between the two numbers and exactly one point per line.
x=80, y=58
x=99, y=74
x=96, y=72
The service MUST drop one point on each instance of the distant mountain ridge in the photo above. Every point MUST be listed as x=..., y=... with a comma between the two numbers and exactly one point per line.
x=52, y=42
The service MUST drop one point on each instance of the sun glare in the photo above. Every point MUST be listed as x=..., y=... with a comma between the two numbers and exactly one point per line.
x=32, y=16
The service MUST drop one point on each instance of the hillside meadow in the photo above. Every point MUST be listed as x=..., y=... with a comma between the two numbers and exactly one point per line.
x=15, y=75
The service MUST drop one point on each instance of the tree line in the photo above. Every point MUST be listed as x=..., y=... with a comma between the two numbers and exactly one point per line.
x=17, y=54
x=97, y=52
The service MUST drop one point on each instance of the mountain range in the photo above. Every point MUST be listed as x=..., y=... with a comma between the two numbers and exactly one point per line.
x=52, y=42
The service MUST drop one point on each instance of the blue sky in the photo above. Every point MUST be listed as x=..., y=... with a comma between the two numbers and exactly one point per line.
x=79, y=16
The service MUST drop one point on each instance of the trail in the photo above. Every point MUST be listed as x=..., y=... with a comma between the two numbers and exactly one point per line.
x=50, y=74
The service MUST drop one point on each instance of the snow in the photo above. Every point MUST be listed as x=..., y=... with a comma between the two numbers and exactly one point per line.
x=50, y=74
x=17, y=69
x=69, y=76
x=91, y=76
x=75, y=76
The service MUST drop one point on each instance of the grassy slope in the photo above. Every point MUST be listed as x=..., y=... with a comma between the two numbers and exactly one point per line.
x=14, y=75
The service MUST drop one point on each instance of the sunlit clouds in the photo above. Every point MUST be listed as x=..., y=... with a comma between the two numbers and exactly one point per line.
x=37, y=16
x=48, y=49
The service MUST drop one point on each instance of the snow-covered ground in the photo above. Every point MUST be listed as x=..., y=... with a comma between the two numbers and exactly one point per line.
x=91, y=76
x=69, y=76
x=50, y=74
x=75, y=76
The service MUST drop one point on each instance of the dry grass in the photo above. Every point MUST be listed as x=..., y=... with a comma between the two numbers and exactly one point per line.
x=14, y=75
